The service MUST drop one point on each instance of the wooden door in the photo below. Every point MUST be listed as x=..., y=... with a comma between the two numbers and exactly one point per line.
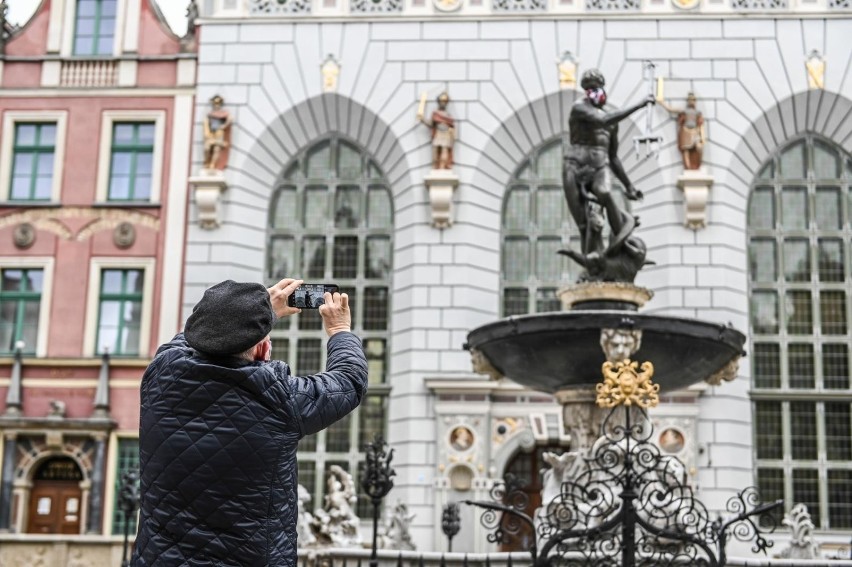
x=55, y=507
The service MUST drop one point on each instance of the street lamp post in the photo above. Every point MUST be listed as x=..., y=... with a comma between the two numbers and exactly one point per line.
x=128, y=503
x=376, y=481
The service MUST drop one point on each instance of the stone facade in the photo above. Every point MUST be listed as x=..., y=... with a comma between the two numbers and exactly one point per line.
x=749, y=76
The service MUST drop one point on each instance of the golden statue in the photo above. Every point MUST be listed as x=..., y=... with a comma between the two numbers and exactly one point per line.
x=816, y=70
x=626, y=385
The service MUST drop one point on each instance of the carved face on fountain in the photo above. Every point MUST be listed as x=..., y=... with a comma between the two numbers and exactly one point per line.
x=620, y=344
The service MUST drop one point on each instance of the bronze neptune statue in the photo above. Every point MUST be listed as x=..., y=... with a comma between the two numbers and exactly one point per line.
x=588, y=189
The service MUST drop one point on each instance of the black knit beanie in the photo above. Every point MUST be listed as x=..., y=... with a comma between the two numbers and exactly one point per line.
x=231, y=318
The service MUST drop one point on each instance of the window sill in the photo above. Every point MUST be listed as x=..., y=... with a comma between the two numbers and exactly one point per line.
x=126, y=205
x=30, y=204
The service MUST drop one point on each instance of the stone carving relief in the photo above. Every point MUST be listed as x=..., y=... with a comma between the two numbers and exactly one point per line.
x=394, y=532
x=613, y=5
x=759, y=4
x=676, y=436
x=726, y=373
x=124, y=235
x=447, y=5
x=376, y=6
x=78, y=223
x=462, y=448
x=280, y=6
x=802, y=544
x=31, y=450
x=24, y=235
x=519, y=5
x=336, y=524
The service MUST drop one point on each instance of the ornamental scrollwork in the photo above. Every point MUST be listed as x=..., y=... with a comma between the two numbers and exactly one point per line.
x=375, y=6
x=519, y=5
x=280, y=6
x=614, y=5
x=625, y=384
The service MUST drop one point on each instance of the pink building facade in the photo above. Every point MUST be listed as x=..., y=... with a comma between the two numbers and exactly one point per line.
x=96, y=105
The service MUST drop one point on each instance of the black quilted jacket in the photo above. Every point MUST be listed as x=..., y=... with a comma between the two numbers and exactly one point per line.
x=217, y=444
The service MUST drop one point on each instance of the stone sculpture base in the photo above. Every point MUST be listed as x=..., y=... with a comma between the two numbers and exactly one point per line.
x=695, y=184
x=603, y=295
x=441, y=184
x=208, y=186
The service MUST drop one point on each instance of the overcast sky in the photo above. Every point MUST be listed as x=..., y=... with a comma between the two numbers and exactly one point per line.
x=175, y=11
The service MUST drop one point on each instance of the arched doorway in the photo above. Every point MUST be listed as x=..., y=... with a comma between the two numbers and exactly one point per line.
x=527, y=467
x=56, y=497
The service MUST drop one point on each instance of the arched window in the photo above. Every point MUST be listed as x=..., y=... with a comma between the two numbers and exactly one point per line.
x=536, y=224
x=800, y=229
x=331, y=222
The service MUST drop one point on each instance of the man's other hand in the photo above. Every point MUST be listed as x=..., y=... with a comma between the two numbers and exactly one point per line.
x=335, y=313
x=278, y=295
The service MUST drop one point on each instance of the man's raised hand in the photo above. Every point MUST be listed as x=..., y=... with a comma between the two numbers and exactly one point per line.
x=278, y=295
x=335, y=313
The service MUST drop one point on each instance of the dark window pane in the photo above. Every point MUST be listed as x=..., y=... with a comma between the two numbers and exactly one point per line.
x=127, y=459
x=379, y=208
x=800, y=359
x=838, y=431
x=828, y=208
x=353, y=303
x=285, y=214
x=770, y=483
x=316, y=207
x=761, y=211
x=767, y=425
x=337, y=436
x=308, y=355
x=793, y=161
x=310, y=320
x=767, y=366
x=307, y=444
x=764, y=312
x=347, y=207
x=839, y=499
x=313, y=258
x=280, y=349
x=348, y=162
x=763, y=260
x=547, y=262
x=375, y=308
x=832, y=311
x=803, y=431
x=794, y=208
x=546, y=300
x=372, y=418
x=319, y=161
x=282, y=258
x=806, y=491
x=830, y=260
x=799, y=313
x=378, y=259
x=515, y=301
x=345, y=260
x=549, y=204
x=516, y=259
x=826, y=161
x=516, y=216
x=549, y=163
x=376, y=352
x=768, y=171
x=835, y=366
x=797, y=260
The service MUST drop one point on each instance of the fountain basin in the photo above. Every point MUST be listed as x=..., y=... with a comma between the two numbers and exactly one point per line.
x=554, y=351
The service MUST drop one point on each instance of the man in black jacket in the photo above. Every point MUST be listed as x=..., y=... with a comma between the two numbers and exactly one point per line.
x=219, y=427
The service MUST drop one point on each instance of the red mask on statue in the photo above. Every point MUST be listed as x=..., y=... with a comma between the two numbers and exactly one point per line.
x=597, y=96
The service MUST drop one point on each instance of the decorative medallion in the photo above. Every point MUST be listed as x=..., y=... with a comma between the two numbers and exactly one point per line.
x=686, y=4
x=624, y=384
x=461, y=438
x=330, y=70
x=815, y=66
x=671, y=440
x=24, y=235
x=124, y=235
x=567, y=67
x=447, y=5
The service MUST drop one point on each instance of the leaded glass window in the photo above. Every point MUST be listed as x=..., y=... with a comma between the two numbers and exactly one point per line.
x=127, y=459
x=536, y=224
x=800, y=229
x=20, y=308
x=94, y=31
x=331, y=221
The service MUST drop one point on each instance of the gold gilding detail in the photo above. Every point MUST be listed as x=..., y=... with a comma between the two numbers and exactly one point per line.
x=625, y=384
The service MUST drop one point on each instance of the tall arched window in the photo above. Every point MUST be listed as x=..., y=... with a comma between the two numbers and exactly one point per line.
x=331, y=222
x=536, y=224
x=800, y=229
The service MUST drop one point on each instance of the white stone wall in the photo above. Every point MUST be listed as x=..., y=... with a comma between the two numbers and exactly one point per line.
x=750, y=79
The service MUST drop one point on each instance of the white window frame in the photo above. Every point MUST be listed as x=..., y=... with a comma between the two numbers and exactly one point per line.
x=97, y=266
x=13, y=117
x=109, y=488
x=108, y=119
x=124, y=16
x=46, y=264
